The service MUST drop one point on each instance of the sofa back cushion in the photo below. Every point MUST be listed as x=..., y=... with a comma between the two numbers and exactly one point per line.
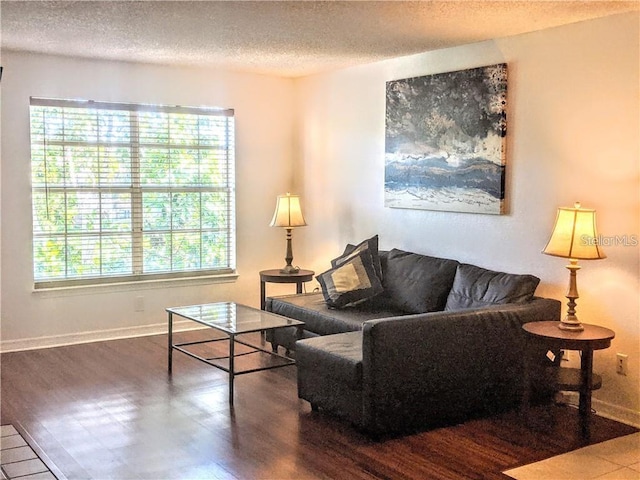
x=476, y=287
x=417, y=283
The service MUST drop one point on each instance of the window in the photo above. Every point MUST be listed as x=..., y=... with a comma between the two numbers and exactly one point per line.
x=125, y=192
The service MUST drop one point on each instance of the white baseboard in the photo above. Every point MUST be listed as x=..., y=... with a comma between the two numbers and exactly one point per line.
x=607, y=410
x=96, y=336
x=617, y=413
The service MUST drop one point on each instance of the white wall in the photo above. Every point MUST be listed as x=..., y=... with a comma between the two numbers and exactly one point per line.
x=573, y=134
x=264, y=143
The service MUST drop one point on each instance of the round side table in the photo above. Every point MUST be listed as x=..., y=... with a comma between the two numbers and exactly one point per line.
x=276, y=276
x=593, y=337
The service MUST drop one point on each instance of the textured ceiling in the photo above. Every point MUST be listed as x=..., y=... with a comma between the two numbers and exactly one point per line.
x=281, y=38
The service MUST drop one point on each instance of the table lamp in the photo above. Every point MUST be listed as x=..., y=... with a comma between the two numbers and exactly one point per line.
x=288, y=215
x=574, y=237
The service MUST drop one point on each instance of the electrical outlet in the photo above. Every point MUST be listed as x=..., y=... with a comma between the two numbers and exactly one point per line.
x=621, y=363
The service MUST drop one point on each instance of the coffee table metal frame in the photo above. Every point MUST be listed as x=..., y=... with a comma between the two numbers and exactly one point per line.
x=233, y=320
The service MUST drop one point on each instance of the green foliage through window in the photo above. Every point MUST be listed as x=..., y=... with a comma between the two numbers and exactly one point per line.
x=124, y=192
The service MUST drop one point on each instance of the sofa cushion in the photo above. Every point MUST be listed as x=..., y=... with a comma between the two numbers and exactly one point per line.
x=370, y=244
x=417, y=283
x=339, y=356
x=311, y=309
x=475, y=287
x=352, y=281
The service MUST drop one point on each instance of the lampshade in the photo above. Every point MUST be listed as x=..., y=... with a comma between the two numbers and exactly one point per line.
x=575, y=235
x=288, y=213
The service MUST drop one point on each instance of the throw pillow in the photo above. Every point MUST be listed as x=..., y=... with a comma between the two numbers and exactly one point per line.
x=351, y=282
x=475, y=287
x=417, y=283
x=370, y=244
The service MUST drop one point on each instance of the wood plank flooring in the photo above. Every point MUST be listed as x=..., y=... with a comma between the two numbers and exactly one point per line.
x=110, y=410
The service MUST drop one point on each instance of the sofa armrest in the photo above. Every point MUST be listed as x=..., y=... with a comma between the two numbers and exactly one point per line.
x=419, y=369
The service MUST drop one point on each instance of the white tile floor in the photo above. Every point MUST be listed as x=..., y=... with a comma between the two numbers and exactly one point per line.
x=617, y=459
x=18, y=459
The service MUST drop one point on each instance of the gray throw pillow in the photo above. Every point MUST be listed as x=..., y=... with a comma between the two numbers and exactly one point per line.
x=351, y=282
x=370, y=244
x=476, y=287
x=417, y=283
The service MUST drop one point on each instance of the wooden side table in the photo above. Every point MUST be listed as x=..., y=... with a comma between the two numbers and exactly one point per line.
x=276, y=276
x=593, y=337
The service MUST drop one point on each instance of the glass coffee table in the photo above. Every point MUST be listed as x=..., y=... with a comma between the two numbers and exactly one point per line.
x=233, y=320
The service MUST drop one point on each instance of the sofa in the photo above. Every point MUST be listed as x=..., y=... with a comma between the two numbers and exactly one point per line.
x=398, y=341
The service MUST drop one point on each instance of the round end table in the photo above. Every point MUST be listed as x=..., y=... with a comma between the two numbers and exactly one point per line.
x=276, y=276
x=593, y=337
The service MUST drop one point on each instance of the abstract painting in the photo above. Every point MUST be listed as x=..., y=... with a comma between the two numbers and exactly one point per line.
x=445, y=141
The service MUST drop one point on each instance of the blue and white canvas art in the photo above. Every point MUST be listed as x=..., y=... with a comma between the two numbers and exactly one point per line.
x=445, y=141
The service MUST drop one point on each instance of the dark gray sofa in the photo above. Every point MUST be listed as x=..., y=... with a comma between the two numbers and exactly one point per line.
x=387, y=369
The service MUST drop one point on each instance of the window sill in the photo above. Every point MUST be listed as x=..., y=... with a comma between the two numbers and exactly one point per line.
x=138, y=285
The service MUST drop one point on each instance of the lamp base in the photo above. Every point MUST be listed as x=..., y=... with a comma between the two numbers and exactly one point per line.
x=571, y=325
x=570, y=321
x=289, y=269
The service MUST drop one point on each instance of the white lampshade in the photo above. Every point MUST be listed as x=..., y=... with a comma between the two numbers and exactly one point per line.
x=575, y=235
x=288, y=212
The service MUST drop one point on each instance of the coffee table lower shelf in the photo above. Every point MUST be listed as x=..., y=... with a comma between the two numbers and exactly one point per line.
x=232, y=320
x=231, y=358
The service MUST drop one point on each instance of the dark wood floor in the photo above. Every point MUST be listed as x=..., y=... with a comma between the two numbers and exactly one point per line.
x=110, y=410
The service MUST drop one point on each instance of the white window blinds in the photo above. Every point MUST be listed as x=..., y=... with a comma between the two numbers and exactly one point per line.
x=130, y=192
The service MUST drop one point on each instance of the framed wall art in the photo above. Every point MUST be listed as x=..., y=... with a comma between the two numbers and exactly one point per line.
x=445, y=141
